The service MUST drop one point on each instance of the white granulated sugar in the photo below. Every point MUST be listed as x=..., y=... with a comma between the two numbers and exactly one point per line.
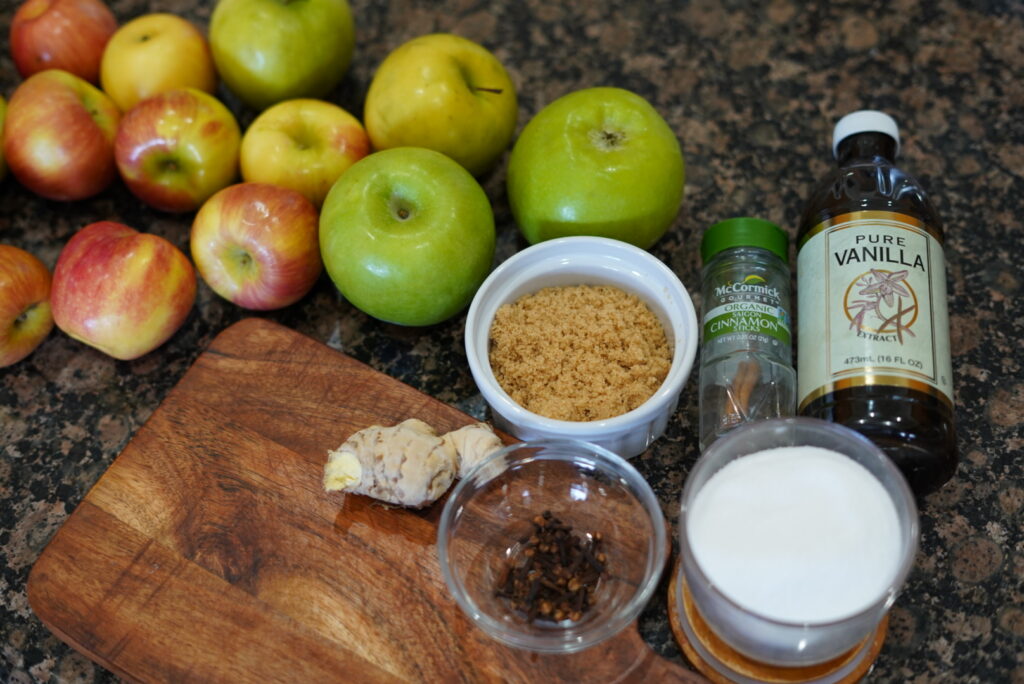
x=798, y=534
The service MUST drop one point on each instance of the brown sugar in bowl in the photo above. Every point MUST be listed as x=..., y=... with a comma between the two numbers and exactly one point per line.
x=594, y=261
x=579, y=352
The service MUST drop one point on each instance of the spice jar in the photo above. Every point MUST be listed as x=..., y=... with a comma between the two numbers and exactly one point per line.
x=746, y=370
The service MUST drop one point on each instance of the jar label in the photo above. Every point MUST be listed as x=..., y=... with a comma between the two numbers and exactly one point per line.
x=871, y=295
x=748, y=319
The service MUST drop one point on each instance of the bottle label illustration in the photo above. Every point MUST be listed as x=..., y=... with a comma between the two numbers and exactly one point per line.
x=872, y=305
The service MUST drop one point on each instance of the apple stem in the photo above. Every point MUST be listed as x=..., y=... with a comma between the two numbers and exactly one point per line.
x=24, y=315
x=400, y=208
x=496, y=91
x=607, y=139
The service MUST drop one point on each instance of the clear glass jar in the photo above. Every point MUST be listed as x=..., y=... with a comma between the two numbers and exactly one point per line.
x=746, y=370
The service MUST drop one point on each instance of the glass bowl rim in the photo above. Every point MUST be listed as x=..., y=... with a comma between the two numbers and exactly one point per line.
x=599, y=460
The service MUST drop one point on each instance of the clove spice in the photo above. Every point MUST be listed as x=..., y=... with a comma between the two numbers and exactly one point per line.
x=555, y=573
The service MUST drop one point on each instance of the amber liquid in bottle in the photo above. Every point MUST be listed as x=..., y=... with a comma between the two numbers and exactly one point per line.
x=914, y=428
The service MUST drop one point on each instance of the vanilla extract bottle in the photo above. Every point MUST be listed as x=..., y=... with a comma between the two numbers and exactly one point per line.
x=873, y=323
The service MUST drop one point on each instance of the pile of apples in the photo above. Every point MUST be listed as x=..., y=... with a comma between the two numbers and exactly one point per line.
x=392, y=209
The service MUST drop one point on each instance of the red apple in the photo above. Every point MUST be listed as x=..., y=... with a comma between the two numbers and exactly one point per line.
x=257, y=245
x=59, y=136
x=121, y=291
x=61, y=34
x=25, y=318
x=175, y=149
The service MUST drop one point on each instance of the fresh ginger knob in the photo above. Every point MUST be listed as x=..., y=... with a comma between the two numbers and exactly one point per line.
x=407, y=464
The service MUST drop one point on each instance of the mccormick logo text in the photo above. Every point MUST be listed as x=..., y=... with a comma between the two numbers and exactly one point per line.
x=749, y=285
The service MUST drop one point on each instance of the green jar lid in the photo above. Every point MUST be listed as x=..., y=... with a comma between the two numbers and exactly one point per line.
x=744, y=232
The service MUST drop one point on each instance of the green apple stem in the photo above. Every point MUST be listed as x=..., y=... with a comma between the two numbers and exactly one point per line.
x=400, y=208
x=496, y=91
x=607, y=139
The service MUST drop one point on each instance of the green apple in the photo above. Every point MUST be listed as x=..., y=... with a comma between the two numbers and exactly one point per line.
x=267, y=51
x=445, y=93
x=407, y=236
x=599, y=161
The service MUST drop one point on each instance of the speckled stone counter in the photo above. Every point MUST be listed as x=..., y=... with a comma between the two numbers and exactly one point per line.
x=752, y=90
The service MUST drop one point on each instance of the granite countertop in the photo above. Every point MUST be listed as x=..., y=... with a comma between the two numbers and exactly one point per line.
x=752, y=91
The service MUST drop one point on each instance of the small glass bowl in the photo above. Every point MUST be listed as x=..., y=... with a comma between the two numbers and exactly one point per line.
x=763, y=638
x=489, y=513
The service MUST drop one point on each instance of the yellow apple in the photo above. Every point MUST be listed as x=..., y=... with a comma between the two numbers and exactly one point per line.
x=152, y=54
x=303, y=145
x=445, y=93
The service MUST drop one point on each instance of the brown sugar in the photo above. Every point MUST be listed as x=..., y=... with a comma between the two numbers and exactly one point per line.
x=579, y=353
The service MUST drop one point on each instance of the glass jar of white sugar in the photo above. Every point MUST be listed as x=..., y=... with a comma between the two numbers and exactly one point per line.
x=795, y=537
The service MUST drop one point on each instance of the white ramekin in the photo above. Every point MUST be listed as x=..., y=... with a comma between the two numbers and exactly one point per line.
x=586, y=261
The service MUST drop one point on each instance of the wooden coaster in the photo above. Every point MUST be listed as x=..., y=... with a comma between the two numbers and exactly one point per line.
x=845, y=669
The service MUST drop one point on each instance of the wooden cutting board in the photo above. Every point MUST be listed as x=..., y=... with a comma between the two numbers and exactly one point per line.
x=209, y=551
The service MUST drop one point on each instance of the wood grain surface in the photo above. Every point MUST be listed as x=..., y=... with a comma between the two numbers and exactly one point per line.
x=209, y=551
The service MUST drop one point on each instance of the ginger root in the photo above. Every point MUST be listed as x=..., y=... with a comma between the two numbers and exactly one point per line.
x=407, y=464
x=471, y=444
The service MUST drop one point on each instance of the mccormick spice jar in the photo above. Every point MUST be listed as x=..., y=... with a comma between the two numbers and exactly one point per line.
x=746, y=370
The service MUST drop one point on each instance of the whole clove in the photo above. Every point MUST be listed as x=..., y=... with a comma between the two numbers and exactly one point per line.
x=555, y=573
